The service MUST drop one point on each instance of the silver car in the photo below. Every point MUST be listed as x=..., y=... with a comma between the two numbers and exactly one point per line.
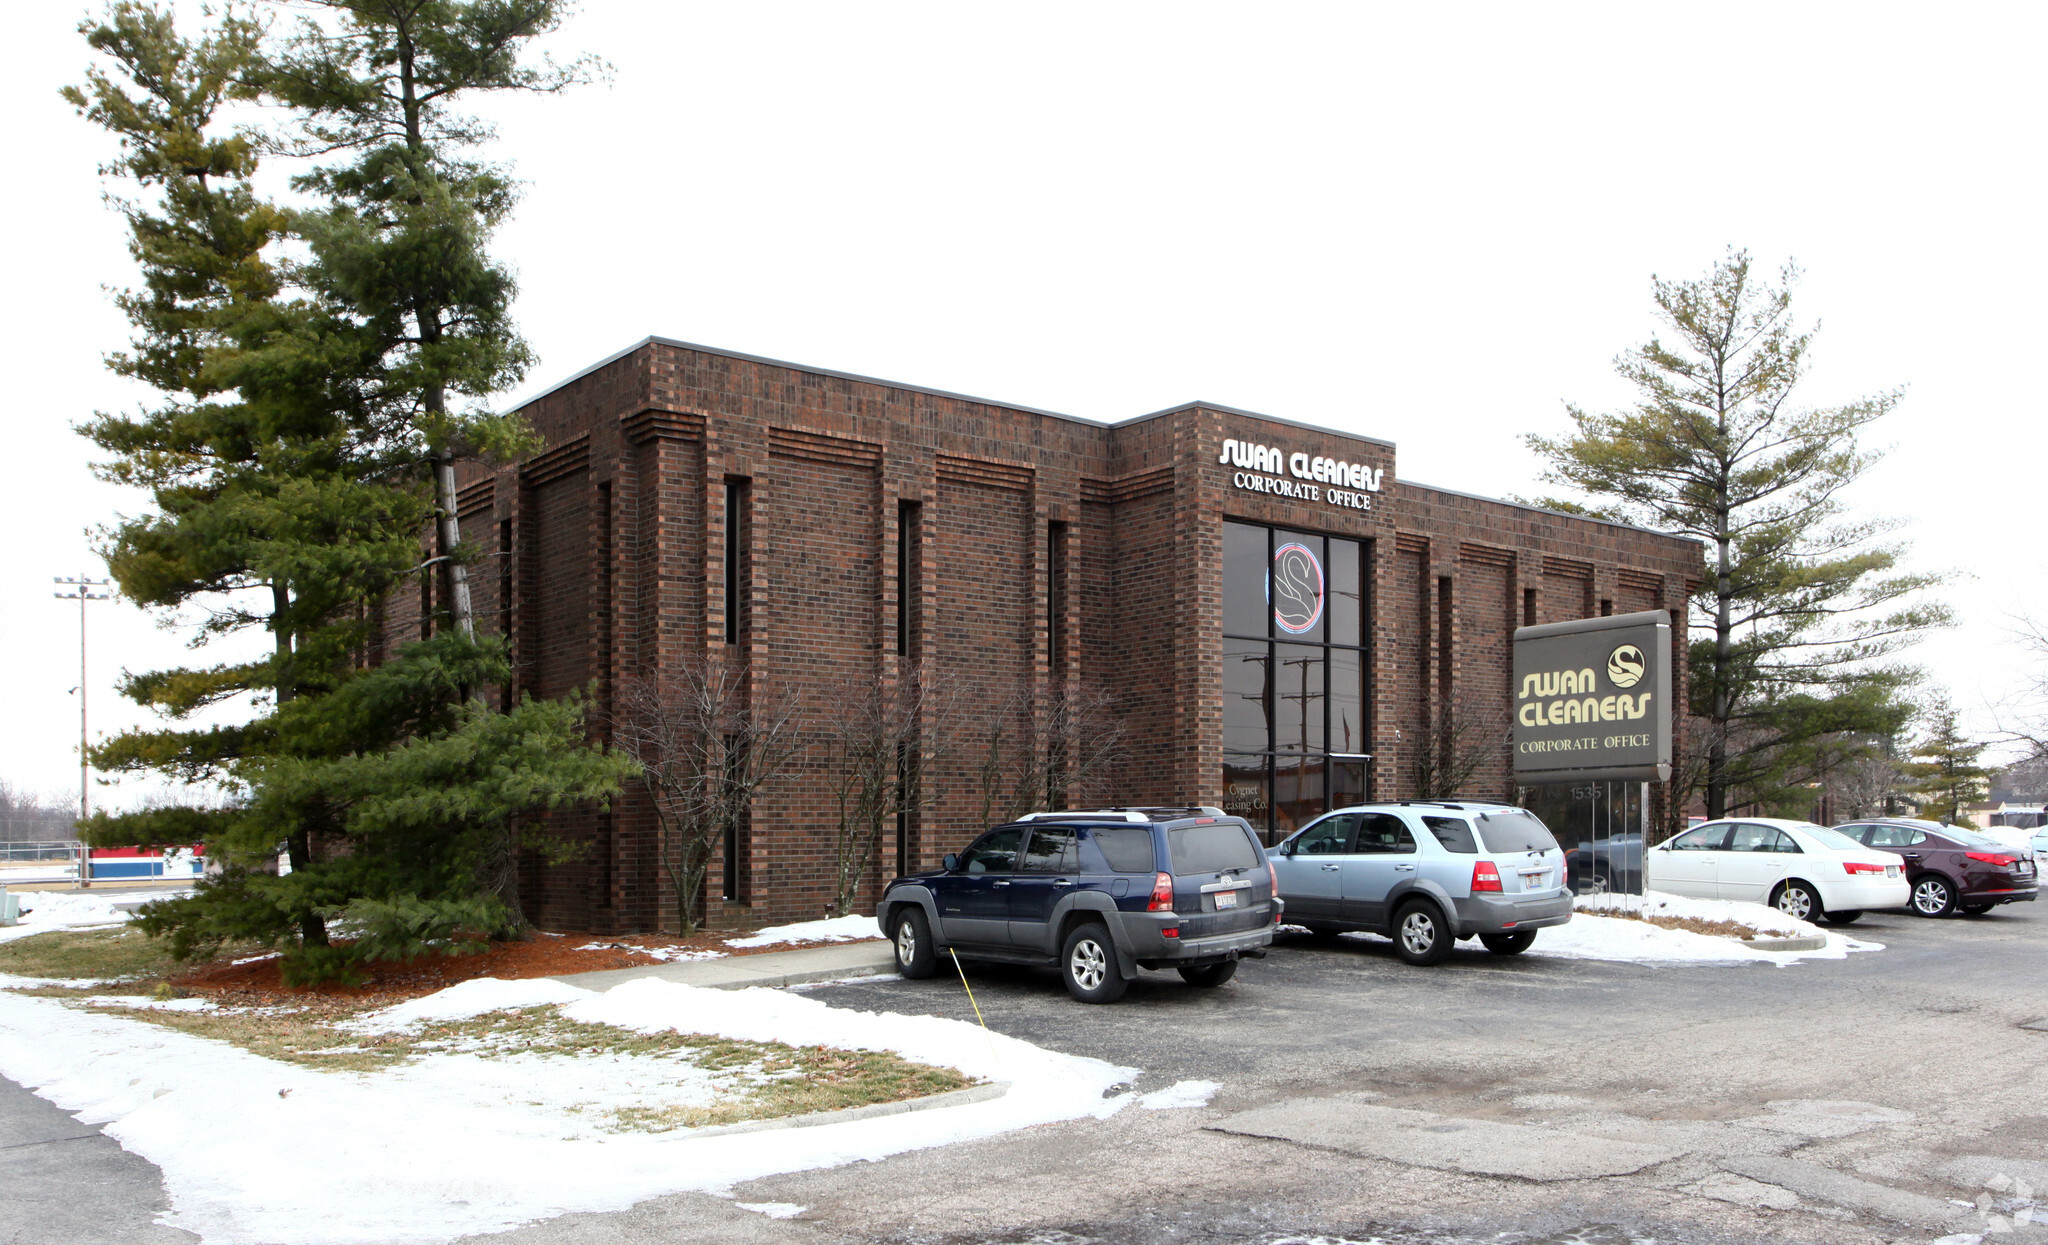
x=1425, y=874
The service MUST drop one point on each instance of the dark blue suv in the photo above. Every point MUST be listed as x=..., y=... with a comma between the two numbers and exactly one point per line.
x=1100, y=894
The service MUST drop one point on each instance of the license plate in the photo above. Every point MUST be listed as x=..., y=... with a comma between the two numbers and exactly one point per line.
x=1891, y=871
x=1226, y=899
x=1534, y=881
x=2026, y=869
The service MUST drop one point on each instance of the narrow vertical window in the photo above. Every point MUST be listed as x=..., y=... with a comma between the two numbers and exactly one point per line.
x=604, y=593
x=1056, y=597
x=1528, y=607
x=736, y=534
x=907, y=516
x=1606, y=607
x=734, y=836
x=903, y=803
x=1443, y=643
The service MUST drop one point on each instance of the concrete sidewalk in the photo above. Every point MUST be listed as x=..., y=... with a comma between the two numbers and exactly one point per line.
x=769, y=968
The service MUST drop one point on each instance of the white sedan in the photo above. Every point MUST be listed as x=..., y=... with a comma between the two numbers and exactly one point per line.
x=1805, y=871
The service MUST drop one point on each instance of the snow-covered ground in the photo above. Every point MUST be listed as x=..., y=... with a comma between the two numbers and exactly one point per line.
x=1591, y=936
x=43, y=910
x=254, y=1150
x=838, y=929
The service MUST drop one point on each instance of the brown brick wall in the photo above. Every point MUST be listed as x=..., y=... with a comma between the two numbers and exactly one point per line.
x=619, y=533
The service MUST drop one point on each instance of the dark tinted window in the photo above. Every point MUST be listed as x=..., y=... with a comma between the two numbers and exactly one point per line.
x=1210, y=849
x=994, y=852
x=1126, y=851
x=1514, y=832
x=1384, y=833
x=1455, y=833
x=1053, y=849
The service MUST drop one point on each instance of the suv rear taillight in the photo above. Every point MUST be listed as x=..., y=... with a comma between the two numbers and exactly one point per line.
x=1485, y=877
x=1162, y=893
x=1992, y=858
x=1854, y=867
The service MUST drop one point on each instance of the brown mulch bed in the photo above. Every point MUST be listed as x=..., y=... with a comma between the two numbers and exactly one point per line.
x=544, y=955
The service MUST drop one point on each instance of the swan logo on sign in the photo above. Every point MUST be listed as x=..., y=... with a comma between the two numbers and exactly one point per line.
x=1297, y=589
x=1625, y=666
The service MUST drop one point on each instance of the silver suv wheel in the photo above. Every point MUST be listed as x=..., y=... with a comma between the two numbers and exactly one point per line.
x=1087, y=964
x=906, y=944
x=1418, y=931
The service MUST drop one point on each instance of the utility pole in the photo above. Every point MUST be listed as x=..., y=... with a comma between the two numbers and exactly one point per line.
x=84, y=585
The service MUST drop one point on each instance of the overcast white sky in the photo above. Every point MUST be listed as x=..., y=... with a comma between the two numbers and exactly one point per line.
x=1433, y=224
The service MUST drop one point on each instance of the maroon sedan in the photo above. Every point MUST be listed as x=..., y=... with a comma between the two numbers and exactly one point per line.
x=1949, y=867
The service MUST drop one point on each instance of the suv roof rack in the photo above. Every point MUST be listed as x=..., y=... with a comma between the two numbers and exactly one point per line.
x=1141, y=813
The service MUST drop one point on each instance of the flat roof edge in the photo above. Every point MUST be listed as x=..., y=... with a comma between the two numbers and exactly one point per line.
x=1562, y=514
x=657, y=340
x=1271, y=419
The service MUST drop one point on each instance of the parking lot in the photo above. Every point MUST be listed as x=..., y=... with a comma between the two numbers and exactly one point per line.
x=1853, y=1100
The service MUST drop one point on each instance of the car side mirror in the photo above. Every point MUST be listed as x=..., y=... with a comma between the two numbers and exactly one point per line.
x=951, y=862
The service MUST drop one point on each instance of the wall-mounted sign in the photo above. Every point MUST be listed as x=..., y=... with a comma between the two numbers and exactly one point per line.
x=1297, y=588
x=1331, y=481
x=1592, y=699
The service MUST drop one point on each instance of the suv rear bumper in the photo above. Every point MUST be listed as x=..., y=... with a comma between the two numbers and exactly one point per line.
x=1139, y=933
x=1493, y=914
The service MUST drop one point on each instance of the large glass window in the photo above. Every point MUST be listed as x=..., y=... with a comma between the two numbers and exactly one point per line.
x=1296, y=730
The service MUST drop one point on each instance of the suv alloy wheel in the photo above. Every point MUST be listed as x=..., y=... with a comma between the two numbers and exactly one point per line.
x=1088, y=965
x=1420, y=936
x=916, y=958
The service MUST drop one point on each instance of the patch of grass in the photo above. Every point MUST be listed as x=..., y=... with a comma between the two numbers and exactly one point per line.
x=115, y=952
x=805, y=1080
x=1697, y=924
x=757, y=1080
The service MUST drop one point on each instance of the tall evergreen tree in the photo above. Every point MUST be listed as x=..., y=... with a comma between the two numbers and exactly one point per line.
x=290, y=488
x=1803, y=606
x=1944, y=776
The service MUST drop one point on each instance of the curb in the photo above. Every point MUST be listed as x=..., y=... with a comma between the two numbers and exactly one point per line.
x=1787, y=944
x=769, y=970
x=954, y=1098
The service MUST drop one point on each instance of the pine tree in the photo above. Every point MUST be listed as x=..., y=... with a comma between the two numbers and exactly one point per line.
x=1944, y=777
x=1803, y=607
x=291, y=476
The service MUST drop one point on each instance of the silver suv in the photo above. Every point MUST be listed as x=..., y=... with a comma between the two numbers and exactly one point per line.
x=1425, y=874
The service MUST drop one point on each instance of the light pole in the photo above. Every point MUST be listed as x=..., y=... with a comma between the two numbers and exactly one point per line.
x=84, y=586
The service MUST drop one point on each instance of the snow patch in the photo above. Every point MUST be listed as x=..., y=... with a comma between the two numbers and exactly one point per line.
x=837, y=929
x=1760, y=917
x=454, y=1144
x=664, y=954
x=1180, y=1094
x=774, y=1210
x=1589, y=936
x=468, y=999
x=47, y=910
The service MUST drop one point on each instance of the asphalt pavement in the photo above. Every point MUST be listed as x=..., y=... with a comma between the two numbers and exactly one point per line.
x=1891, y=1096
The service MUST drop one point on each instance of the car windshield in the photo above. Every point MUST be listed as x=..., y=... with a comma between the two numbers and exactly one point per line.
x=1832, y=838
x=1210, y=849
x=1514, y=831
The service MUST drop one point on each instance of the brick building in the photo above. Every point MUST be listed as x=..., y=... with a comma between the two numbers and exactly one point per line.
x=1282, y=622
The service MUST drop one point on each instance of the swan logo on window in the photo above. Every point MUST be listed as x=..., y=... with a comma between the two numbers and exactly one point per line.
x=1297, y=589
